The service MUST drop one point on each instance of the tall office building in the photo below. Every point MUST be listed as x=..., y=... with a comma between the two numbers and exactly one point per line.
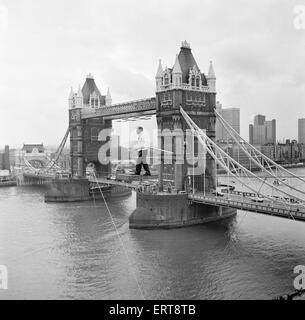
x=270, y=131
x=301, y=130
x=232, y=116
x=261, y=131
x=259, y=120
x=251, y=133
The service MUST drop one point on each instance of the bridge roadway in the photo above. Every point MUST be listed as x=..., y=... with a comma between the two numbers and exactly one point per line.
x=130, y=182
x=38, y=175
x=292, y=211
x=231, y=200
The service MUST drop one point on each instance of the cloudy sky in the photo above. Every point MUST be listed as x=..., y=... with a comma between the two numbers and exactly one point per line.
x=48, y=46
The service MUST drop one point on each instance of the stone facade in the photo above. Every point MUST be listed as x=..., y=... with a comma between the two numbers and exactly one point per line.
x=85, y=141
x=196, y=94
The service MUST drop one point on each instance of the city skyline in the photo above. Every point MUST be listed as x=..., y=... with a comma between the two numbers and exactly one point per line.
x=35, y=84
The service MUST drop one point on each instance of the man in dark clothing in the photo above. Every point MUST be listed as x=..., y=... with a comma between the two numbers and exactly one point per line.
x=142, y=153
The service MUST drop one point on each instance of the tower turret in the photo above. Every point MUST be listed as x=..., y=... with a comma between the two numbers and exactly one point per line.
x=177, y=73
x=108, y=98
x=211, y=79
x=159, y=76
x=79, y=98
x=71, y=99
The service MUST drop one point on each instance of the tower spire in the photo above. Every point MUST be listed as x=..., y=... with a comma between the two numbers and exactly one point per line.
x=79, y=98
x=177, y=67
x=108, y=98
x=211, y=73
x=177, y=73
x=160, y=70
x=211, y=79
x=71, y=95
x=159, y=76
x=71, y=99
x=79, y=92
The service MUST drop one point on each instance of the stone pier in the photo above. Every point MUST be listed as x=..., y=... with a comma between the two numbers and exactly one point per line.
x=68, y=190
x=173, y=211
x=75, y=190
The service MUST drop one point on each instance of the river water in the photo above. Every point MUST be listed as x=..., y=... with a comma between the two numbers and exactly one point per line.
x=73, y=251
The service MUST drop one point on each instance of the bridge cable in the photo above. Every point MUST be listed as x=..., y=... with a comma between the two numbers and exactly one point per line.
x=232, y=132
x=211, y=146
x=119, y=237
x=59, y=150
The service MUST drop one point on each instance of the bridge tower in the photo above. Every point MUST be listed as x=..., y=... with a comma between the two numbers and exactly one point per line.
x=84, y=133
x=186, y=86
x=183, y=85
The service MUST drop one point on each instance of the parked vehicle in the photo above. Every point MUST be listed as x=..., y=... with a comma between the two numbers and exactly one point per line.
x=228, y=187
x=257, y=199
x=218, y=193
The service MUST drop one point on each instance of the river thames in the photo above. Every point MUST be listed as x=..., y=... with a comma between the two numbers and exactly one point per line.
x=72, y=251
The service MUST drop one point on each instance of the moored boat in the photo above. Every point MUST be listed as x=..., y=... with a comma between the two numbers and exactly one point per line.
x=6, y=179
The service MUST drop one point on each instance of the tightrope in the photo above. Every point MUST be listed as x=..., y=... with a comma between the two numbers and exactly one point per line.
x=120, y=239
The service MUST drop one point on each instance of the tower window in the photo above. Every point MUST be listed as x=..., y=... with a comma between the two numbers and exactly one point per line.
x=94, y=134
x=166, y=80
x=198, y=82
x=193, y=81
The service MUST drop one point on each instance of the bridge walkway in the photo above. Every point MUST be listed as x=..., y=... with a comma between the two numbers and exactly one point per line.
x=291, y=211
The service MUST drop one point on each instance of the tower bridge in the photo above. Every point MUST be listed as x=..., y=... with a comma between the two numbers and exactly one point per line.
x=183, y=84
x=185, y=106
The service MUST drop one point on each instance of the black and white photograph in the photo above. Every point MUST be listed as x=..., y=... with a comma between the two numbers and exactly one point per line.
x=152, y=151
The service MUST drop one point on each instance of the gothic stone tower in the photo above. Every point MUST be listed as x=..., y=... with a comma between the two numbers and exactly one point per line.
x=184, y=85
x=84, y=132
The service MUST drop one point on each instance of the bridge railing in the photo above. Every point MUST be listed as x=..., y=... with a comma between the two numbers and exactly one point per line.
x=121, y=108
x=293, y=212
